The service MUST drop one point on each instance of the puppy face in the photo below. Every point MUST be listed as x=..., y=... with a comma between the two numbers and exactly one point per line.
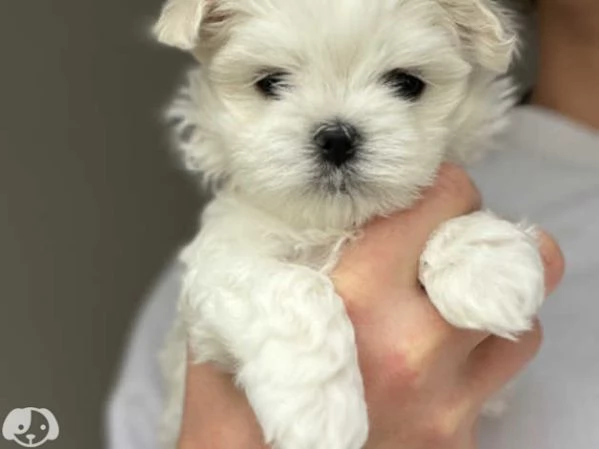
x=323, y=111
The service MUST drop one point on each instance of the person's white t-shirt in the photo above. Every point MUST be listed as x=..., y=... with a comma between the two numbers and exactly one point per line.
x=547, y=171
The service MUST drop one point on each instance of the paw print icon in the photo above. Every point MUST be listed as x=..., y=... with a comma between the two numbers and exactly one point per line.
x=30, y=427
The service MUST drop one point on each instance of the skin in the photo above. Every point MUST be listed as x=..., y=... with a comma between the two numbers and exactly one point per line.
x=569, y=59
x=425, y=381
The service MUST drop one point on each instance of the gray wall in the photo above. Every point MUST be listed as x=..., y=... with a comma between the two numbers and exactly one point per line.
x=91, y=203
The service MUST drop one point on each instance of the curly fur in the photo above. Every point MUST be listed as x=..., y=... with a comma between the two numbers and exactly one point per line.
x=257, y=299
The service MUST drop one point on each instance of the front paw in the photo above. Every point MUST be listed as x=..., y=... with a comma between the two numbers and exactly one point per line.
x=485, y=274
x=314, y=414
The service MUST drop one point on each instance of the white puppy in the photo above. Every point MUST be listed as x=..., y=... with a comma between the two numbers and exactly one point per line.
x=308, y=118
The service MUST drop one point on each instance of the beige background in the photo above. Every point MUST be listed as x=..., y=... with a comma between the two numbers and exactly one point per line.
x=91, y=203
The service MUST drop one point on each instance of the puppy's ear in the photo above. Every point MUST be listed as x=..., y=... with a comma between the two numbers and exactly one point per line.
x=180, y=22
x=487, y=31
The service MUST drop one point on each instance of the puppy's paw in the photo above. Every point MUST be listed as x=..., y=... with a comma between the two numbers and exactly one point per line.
x=328, y=415
x=485, y=274
x=308, y=393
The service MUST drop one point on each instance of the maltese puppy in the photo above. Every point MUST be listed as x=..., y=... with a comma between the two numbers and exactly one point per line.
x=308, y=118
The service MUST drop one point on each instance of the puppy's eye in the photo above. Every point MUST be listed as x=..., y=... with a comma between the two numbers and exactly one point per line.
x=404, y=84
x=272, y=84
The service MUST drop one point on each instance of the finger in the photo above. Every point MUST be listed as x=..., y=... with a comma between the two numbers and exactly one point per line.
x=396, y=242
x=496, y=361
x=553, y=261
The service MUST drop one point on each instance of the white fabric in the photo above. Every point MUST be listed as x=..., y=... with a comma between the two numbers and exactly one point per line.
x=549, y=173
x=133, y=411
x=546, y=171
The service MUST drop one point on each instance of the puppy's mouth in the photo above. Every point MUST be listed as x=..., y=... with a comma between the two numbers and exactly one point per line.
x=337, y=180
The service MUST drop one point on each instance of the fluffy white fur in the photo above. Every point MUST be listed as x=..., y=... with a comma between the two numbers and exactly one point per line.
x=257, y=299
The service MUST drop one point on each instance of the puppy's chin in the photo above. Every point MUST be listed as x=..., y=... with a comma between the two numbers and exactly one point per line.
x=339, y=203
x=336, y=182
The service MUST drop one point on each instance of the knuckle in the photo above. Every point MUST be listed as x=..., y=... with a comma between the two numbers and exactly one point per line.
x=404, y=371
x=410, y=361
x=535, y=338
x=358, y=296
x=445, y=427
x=349, y=285
x=408, y=367
x=553, y=258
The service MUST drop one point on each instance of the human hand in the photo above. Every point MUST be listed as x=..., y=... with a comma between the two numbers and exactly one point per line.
x=425, y=381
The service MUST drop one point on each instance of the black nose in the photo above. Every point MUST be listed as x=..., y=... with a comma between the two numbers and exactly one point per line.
x=338, y=142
